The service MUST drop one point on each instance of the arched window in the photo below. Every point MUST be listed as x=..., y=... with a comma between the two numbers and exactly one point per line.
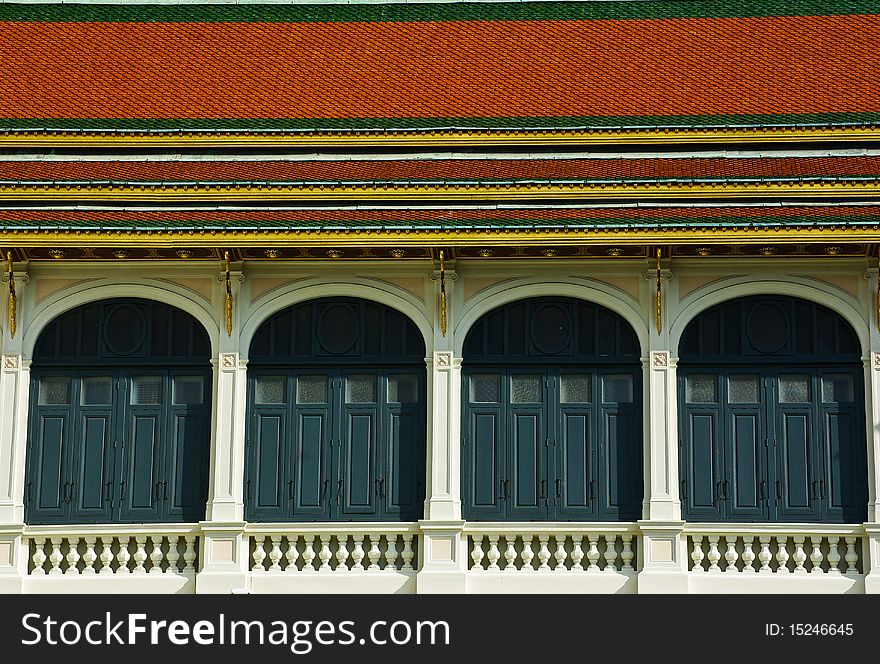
x=772, y=414
x=337, y=414
x=120, y=410
x=552, y=414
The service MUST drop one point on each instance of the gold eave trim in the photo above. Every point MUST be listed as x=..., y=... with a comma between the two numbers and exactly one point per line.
x=482, y=238
x=41, y=139
x=502, y=192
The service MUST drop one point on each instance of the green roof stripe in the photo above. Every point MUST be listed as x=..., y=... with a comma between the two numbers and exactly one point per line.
x=514, y=11
x=348, y=125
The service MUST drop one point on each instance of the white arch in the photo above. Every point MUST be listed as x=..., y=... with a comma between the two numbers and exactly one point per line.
x=594, y=291
x=813, y=291
x=301, y=291
x=79, y=294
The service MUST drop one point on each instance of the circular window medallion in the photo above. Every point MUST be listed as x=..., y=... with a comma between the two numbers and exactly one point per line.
x=767, y=328
x=551, y=329
x=337, y=329
x=125, y=329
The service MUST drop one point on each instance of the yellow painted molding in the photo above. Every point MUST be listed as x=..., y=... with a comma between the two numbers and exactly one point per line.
x=463, y=238
x=41, y=139
x=502, y=192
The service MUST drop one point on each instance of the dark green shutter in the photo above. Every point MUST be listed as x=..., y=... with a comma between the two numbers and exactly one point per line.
x=575, y=480
x=47, y=483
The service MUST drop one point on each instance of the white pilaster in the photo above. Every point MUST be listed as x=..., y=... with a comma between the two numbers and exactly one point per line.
x=872, y=413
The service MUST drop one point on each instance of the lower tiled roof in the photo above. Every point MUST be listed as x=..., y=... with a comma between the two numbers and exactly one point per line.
x=441, y=219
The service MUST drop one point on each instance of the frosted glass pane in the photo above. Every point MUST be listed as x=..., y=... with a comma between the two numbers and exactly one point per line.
x=189, y=390
x=96, y=390
x=837, y=388
x=403, y=389
x=360, y=389
x=574, y=389
x=270, y=389
x=54, y=390
x=742, y=389
x=311, y=389
x=701, y=388
x=617, y=389
x=146, y=390
x=485, y=388
x=794, y=388
x=525, y=389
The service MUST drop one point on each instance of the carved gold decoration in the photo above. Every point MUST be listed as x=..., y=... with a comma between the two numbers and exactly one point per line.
x=12, y=300
x=549, y=252
x=185, y=253
x=486, y=253
x=659, y=295
x=704, y=251
x=397, y=253
x=833, y=250
x=122, y=253
x=614, y=251
x=335, y=253
x=57, y=254
x=228, y=296
x=272, y=253
x=767, y=251
x=442, y=295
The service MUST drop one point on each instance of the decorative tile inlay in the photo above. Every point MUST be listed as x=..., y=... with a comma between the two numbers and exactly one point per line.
x=228, y=360
x=10, y=361
x=443, y=359
x=659, y=359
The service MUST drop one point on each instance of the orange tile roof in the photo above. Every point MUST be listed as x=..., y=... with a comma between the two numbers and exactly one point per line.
x=460, y=170
x=562, y=68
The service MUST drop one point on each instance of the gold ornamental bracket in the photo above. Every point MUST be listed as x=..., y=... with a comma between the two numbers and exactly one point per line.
x=657, y=273
x=439, y=276
x=230, y=274
x=10, y=276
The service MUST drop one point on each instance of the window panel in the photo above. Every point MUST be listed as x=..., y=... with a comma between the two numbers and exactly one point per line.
x=54, y=390
x=403, y=389
x=617, y=389
x=794, y=388
x=525, y=388
x=837, y=388
x=96, y=390
x=574, y=388
x=311, y=389
x=270, y=389
x=701, y=388
x=146, y=390
x=485, y=388
x=188, y=390
x=360, y=389
x=742, y=389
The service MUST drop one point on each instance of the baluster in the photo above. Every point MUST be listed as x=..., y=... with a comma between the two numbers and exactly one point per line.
x=477, y=553
x=593, y=554
x=309, y=554
x=852, y=558
x=799, y=556
x=374, y=553
x=528, y=554
x=391, y=553
x=731, y=556
x=89, y=556
x=610, y=553
x=782, y=554
x=259, y=554
x=123, y=555
x=189, y=554
x=173, y=554
x=341, y=553
x=560, y=554
x=714, y=555
x=39, y=558
x=55, y=558
x=156, y=554
x=324, y=554
x=510, y=553
x=816, y=557
x=72, y=556
x=140, y=555
x=628, y=554
x=408, y=553
x=292, y=554
x=697, y=554
x=748, y=554
x=275, y=554
x=106, y=556
x=765, y=556
x=357, y=554
x=494, y=554
x=577, y=553
x=833, y=555
x=543, y=553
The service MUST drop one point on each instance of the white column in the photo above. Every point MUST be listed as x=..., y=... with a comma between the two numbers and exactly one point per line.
x=443, y=548
x=872, y=416
x=14, y=384
x=662, y=494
